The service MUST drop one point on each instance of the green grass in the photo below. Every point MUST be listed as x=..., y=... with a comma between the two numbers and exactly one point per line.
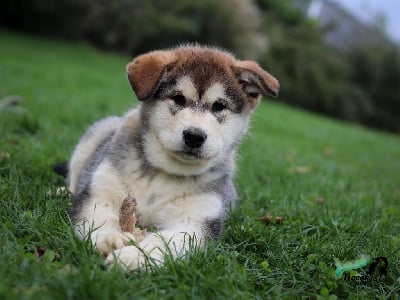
x=289, y=160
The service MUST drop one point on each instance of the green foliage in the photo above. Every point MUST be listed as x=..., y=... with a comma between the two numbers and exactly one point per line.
x=376, y=69
x=55, y=18
x=136, y=26
x=336, y=186
x=313, y=75
x=357, y=84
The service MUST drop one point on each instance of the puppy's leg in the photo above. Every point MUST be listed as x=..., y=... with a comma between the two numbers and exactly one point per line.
x=176, y=241
x=103, y=227
x=97, y=211
x=194, y=218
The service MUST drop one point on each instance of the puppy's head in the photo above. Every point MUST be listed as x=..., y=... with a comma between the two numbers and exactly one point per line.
x=196, y=105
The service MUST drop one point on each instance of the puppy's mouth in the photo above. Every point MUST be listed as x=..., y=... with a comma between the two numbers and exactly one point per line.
x=189, y=156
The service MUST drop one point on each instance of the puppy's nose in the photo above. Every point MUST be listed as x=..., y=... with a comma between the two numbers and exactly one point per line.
x=194, y=137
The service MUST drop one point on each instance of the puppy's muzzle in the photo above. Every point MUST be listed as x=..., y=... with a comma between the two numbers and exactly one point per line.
x=194, y=137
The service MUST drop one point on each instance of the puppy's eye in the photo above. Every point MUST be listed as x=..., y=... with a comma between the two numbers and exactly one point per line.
x=218, y=106
x=253, y=95
x=179, y=100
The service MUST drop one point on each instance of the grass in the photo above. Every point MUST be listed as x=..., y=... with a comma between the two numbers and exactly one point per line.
x=336, y=186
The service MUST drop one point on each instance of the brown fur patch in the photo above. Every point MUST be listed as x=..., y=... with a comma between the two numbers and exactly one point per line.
x=266, y=83
x=145, y=71
x=243, y=80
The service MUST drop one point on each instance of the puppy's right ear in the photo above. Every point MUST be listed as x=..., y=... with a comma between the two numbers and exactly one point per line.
x=146, y=71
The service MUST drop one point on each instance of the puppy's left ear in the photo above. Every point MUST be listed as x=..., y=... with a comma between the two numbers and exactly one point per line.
x=146, y=71
x=255, y=81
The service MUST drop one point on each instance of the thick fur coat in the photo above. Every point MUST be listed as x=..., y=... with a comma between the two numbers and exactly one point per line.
x=174, y=153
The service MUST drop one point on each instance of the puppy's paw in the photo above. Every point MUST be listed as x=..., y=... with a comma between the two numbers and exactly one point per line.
x=128, y=258
x=107, y=241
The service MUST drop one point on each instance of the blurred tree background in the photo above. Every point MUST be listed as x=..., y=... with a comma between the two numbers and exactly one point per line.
x=359, y=83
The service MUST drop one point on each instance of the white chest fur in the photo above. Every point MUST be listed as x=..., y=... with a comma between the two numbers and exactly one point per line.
x=162, y=200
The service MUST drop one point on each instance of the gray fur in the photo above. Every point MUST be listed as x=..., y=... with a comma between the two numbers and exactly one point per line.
x=181, y=185
x=92, y=163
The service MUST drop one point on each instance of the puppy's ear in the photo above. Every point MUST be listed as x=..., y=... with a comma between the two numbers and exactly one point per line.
x=255, y=81
x=146, y=71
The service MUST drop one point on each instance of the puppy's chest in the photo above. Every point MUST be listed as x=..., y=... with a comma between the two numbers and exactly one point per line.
x=159, y=198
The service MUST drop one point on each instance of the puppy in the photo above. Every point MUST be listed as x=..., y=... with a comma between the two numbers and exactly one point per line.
x=174, y=153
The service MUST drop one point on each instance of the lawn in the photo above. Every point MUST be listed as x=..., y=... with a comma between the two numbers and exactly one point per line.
x=336, y=187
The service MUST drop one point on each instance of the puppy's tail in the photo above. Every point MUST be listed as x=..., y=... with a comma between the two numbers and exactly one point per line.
x=61, y=169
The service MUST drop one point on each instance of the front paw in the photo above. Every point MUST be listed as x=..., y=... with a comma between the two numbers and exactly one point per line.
x=129, y=258
x=107, y=241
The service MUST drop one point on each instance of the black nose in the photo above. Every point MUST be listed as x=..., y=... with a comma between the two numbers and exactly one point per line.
x=194, y=137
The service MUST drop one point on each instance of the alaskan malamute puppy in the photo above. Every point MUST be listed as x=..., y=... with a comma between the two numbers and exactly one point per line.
x=174, y=153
